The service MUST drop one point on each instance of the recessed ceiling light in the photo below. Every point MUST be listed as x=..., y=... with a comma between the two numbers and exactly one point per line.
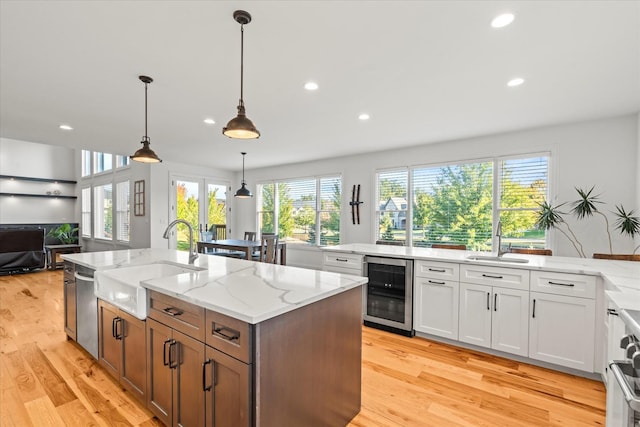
x=210, y=121
x=502, y=20
x=311, y=86
x=515, y=82
x=65, y=127
x=364, y=116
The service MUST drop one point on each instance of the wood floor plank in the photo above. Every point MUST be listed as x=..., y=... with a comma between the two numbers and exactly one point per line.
x=406, y=382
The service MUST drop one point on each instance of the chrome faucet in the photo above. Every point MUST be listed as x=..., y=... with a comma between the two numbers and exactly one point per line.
x=192, y=252
x=499, y=235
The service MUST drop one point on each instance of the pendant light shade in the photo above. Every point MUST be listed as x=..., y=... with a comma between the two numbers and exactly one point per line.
x=145, y=154
x=241, y=127
x=243, y=192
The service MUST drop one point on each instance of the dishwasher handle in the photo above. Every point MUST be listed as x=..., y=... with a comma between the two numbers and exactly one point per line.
x=81, y=277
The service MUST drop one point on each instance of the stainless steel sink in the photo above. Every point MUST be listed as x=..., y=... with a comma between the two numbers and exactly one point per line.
x=121, y=286
x=497, y=258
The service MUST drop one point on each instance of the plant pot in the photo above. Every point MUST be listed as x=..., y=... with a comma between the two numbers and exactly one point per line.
x=618, y=257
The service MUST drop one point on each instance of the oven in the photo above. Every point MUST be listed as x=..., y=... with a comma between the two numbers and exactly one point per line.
x=623, y=384
x=388, y=297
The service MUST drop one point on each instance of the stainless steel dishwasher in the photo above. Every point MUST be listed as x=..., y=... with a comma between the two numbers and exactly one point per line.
x=87, y=310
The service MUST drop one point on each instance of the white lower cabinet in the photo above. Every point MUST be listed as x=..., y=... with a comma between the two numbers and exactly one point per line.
x=494, y=317
x=436, y=307
x=562, y=330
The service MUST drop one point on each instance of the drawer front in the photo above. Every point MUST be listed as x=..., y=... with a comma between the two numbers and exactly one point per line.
x=343, y=260
x=179, y=315
x=231, y=336
x=437, y=270
x=495, y=276
x=575, y=285
x=342, y=270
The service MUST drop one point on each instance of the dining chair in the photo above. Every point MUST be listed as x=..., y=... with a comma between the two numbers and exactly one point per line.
x=444, y=246
x=250, y=235
x=269, y=248
x=527, y=251
x=219, y=231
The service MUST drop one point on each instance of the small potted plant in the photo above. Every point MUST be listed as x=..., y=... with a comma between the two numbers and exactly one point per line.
x=65, y=234
x=586, y=206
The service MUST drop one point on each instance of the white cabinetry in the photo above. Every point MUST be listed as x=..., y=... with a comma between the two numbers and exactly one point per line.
x=436, y=297
x=494, y=307
x=342, y=262
x=562, y=328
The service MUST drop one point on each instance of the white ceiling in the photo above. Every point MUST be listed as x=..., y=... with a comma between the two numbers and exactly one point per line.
x=426, y=71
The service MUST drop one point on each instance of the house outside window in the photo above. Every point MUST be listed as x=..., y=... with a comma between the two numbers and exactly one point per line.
x=102, y=162
x=103, y=212
x=301, y=211
x=122, y=211
x=86, y=211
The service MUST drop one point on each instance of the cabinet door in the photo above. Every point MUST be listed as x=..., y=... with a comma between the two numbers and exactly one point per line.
x=562, y=330
x=436, y=307
x=475, y=314
x=510, y=321
x=159, y=374
x=188, y=391
x=228, y=395
x=133, y=367
x=70, y=307
x=110, y=328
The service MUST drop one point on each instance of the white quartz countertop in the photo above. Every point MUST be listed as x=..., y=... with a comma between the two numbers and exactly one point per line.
x=246, y=290
x=623, y=276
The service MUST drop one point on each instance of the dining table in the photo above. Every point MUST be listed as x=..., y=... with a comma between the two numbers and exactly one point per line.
x=248, y=247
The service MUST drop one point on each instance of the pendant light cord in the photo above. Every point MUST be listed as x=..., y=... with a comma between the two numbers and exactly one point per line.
x=146, y=137
x=241, y=63
x=243, y=154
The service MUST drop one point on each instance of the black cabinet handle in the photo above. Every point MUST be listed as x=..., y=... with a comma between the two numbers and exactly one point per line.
x=490, y=276
x=115, y=330
x=571, y=285
x=113, y=327
x=534, y=309
x=166, y=360
x=173, y=351
x=612, y=312
x=342, y=260
x=231, y=334
x=489, y=301
x=495, y=302
x=172, y=311
x=437, y=270
x=433, y=282
x=206, y=387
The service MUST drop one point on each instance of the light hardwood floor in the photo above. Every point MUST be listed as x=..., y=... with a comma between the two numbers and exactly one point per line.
x=46, y=380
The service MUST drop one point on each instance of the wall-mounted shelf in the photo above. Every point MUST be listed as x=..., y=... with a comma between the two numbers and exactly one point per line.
x=28, y=178
x=48, y=196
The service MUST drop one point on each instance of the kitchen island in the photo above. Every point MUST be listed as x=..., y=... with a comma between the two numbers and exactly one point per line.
x=234, y=342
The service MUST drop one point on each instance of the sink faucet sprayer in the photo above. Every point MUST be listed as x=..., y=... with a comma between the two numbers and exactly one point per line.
x=192, y=252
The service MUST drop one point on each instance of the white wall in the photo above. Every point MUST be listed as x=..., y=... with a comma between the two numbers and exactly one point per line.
x=28, y=159
x=600, y=152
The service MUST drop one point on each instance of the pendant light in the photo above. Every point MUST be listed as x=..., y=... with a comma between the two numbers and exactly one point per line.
x=243, y=192
x=145, y=154
x=241, y=127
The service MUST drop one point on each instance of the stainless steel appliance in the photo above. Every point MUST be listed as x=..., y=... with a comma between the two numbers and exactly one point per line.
x=87, y=310
x=388, y=297
x=623, y=392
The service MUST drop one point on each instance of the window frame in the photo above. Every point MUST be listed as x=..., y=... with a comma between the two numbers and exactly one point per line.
x=496, y=190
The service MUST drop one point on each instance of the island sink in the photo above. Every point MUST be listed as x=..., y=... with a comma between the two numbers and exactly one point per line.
x=121, y=286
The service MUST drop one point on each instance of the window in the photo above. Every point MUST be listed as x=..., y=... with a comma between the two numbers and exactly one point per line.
x=523, y=186
x=102, y=211
x=460, y=203
x=453, y=205
x=86, y=212
x=391, y=212
x=305, y=210
x=121, y=161
x=102, y=162
x=122, y=211
x=86, y=163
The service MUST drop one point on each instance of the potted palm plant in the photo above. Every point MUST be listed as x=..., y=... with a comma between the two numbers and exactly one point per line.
x=585, y=207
